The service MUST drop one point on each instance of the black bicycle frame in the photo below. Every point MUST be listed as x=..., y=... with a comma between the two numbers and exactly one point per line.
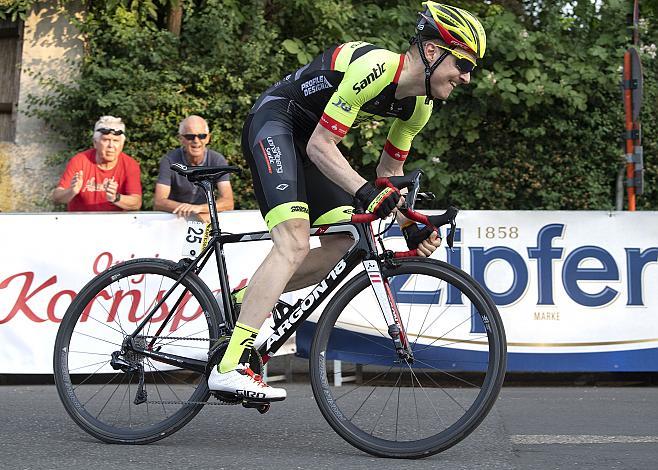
x=364, y=248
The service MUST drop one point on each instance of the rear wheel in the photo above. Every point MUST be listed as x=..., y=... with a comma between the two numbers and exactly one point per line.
x=394, y=407
x=144, y=400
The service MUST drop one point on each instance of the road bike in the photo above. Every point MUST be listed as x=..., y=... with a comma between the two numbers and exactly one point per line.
x=424, y=340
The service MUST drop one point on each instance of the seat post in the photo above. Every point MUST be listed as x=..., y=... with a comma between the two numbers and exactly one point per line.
x=227, y=307
x=212, y=208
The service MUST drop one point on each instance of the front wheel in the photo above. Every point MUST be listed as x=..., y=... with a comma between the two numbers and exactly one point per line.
x=112, y=391
x=409, y=407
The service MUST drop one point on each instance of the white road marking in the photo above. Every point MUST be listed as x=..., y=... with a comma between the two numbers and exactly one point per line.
x=532, y=439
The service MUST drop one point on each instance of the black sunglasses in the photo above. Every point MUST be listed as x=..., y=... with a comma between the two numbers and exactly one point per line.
x=191, y=137
x=464, y=65
x=106, y=131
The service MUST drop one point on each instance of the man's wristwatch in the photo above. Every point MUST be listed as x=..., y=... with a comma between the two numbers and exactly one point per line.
x=117, y=198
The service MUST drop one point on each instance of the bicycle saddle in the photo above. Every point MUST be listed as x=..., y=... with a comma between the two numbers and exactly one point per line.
x=200, y=173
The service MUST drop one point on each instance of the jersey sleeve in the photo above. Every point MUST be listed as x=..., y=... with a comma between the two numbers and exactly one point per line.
x=402, y=132
x=364, y=79
x=164, y=175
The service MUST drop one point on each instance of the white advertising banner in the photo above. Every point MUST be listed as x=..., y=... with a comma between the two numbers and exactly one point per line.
x=576, y=290
x=47, y=258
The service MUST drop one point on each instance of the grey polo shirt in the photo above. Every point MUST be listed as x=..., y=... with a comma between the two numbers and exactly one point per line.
x=181, y=189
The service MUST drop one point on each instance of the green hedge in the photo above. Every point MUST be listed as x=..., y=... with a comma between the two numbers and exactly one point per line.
x=539, y=127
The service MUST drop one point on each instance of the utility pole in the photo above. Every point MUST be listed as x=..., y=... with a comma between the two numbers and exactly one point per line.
x=632, y=87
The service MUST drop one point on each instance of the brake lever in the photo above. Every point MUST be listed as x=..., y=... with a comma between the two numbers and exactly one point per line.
x=451, y=236
x=450, y=239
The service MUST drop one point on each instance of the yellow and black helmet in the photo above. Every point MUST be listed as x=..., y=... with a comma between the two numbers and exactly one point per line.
x=454, y=26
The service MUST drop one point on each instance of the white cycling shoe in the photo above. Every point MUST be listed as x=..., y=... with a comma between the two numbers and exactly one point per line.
x=244, y=383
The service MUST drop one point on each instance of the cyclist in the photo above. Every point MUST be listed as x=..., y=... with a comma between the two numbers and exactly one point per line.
x=301, y=178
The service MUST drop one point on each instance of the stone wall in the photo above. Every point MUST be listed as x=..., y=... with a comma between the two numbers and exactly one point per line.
x=51, y=46
x=5, y=179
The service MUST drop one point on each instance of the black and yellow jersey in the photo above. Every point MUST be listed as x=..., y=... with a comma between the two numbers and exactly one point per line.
x=345, y=86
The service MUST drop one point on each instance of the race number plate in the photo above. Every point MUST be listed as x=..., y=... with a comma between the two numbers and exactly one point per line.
x=196, y=238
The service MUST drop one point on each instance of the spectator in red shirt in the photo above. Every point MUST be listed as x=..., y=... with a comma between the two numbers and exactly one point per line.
x=102, y=178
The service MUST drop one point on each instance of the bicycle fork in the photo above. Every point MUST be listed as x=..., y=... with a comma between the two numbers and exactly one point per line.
x=390, y=310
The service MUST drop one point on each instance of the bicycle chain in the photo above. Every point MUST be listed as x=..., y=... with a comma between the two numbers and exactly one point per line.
x=181, y=338
x=219, y=402
x=214, y=403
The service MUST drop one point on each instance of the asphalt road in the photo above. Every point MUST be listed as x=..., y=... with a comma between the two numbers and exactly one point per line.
x=529, y=428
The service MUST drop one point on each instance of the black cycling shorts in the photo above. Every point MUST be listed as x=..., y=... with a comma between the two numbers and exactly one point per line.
x=286, y=183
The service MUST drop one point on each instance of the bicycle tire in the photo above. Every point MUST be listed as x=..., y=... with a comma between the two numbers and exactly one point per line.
x=83, y=350
x=469, y=384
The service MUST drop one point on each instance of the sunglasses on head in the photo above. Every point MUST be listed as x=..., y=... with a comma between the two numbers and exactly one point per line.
x=191, y=137
x=106, y=131
x=464, y=63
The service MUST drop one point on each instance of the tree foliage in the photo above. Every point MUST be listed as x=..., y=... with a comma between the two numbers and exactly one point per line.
x=14, y=10
x=538, y=128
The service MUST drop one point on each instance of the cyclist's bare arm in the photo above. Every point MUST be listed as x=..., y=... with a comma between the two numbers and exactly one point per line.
x=389, y=166
x=323, y=152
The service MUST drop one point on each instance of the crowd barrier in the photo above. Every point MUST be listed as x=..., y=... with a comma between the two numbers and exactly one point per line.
x=576, y=290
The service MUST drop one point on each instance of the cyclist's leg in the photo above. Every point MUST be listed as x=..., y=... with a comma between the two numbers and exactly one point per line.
x=278, y=177
x=319, y=261
x=279, y=187
x=290, y=246
x=328, y=204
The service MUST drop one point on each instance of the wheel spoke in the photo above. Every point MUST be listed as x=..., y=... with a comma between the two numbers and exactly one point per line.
x=447, y=332
x=374, y=426
x=384, y=374
x=123, y=377
x=91, y=365
x=114, y=376
x=452, y=376
x=445, y=392
x=430, y=401
x=373, y=326
x=97, y=339
x=117, y=317
x=91, y=375
x=105, y=324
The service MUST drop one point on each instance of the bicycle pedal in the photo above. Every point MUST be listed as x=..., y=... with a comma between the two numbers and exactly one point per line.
x=262, y=406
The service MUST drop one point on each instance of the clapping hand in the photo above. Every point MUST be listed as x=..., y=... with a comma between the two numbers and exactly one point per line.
x=111, y=190
x=76, y=182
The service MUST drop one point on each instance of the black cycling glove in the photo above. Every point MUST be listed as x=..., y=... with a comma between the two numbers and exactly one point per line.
x=414, y=235
x=378, y=201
